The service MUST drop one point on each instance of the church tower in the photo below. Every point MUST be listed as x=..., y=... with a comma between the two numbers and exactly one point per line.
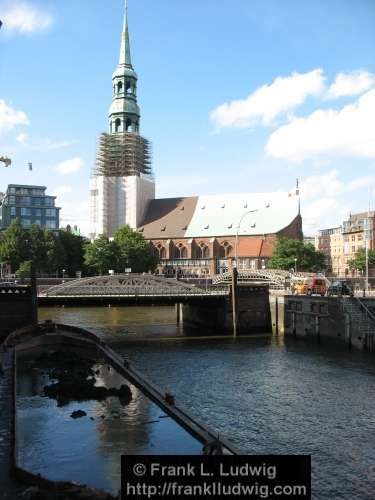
x=121, y=185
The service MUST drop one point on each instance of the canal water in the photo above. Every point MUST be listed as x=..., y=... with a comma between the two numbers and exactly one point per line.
x=267, y=395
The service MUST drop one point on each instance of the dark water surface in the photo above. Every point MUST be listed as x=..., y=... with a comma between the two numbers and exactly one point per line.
x=266, y=395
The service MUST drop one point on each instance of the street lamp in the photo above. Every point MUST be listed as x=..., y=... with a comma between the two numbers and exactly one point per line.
x=238, y=228
x=295, y=265
x=63, y=275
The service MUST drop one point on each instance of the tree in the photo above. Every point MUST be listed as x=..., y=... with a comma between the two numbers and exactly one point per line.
x=135, y=251
x=359, y=261
x=102, y=255
x=287, y=250
x=13, y=248
x=74, y=249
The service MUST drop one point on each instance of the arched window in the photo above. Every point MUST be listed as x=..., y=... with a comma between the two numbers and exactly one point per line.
x=128, y=87
x=225, y=250
x=128, y=125
x=180, y=251
x=161, y=251
x=118, y=125
x=119, y=87
x=203, y=251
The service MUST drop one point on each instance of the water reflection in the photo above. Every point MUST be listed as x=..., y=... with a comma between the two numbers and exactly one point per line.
x=87, y=450
x=273, y=395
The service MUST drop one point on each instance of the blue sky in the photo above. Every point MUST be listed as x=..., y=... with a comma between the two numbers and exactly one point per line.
x=245, y=95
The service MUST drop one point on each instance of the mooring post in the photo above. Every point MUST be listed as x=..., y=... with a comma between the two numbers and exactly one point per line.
x=317, y=327
x=34, y=295
x=234, y=300
x=178, y=313
x=348, y=330
x=277, y=315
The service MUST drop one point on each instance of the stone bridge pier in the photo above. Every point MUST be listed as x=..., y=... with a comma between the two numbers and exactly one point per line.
x=215, y=316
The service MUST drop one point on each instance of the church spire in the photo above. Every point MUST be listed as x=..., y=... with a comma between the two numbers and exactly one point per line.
x=124, y=113
x=125, y=57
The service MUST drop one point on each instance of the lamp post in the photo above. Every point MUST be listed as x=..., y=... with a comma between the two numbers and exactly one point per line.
x=237, y=231
x=295, y=265
x=63, y=275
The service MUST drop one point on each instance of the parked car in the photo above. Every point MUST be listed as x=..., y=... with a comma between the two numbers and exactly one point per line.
x=310, y=286
x=340, y=287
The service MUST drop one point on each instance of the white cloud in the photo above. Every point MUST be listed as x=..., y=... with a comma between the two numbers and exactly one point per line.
x=61, y=190
x=22, y=138
x=69, y=166
x=325, y=199
x=22, y=17
x=11, y=118
x=76, y=213
x=349, y=131
x=269, y=101
x=350, y=84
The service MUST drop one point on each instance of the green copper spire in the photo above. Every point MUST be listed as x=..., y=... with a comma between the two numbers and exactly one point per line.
x=124, y=113
x=125, y=57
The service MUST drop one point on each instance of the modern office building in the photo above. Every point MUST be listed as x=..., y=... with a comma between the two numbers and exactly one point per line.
x=31, y=205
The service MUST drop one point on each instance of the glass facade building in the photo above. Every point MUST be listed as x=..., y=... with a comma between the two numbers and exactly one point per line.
x=30, y=205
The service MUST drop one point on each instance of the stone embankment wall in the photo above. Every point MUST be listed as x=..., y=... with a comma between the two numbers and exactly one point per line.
x=17, y=308
x=324, y=317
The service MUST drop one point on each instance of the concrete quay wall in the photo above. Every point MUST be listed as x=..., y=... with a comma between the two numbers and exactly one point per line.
x=323, y=317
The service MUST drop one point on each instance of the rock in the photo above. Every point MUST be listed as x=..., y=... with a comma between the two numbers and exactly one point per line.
x=78, y=414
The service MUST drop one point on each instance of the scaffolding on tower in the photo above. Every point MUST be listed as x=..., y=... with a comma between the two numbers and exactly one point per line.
x=123, y=155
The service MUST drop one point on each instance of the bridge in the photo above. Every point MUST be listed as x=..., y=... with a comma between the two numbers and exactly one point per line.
x=130, y=286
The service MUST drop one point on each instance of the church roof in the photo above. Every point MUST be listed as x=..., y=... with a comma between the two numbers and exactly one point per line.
x=219, y=215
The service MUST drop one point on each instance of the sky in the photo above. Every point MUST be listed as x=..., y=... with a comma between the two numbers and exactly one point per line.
x=240, y=96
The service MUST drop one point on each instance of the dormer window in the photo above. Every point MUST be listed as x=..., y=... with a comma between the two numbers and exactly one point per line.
x=119, y=87
x=268, y=205
x=203, y=207
x=223, y=205
x=230, y=226
x=253, y=225
x=141, y=229
x=245, y=206
x=163, y=228
x=182, y=208
x=206, y=227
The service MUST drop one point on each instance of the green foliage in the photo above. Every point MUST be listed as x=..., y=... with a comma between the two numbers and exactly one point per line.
x=128, y=249
x=13, y=248
x=135, y=251
x=102, y=255
x=24, y=271
x=308, y=259
x=74, y=248
x=359, y=261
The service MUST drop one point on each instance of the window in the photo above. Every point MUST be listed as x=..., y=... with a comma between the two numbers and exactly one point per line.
x=25, y=222
x=180, y=251
x=38, y=212
x=225, y=250
x=119, y=87
x=50, y=212
x=25, y=211
x=161, y=251
x=12, y=190
x=38, y=222
x=12, y=210
x=128, y=125
x=51, y=224
x=25, y=200
x=203, y=251
x=118, y=125
x=12, y=199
